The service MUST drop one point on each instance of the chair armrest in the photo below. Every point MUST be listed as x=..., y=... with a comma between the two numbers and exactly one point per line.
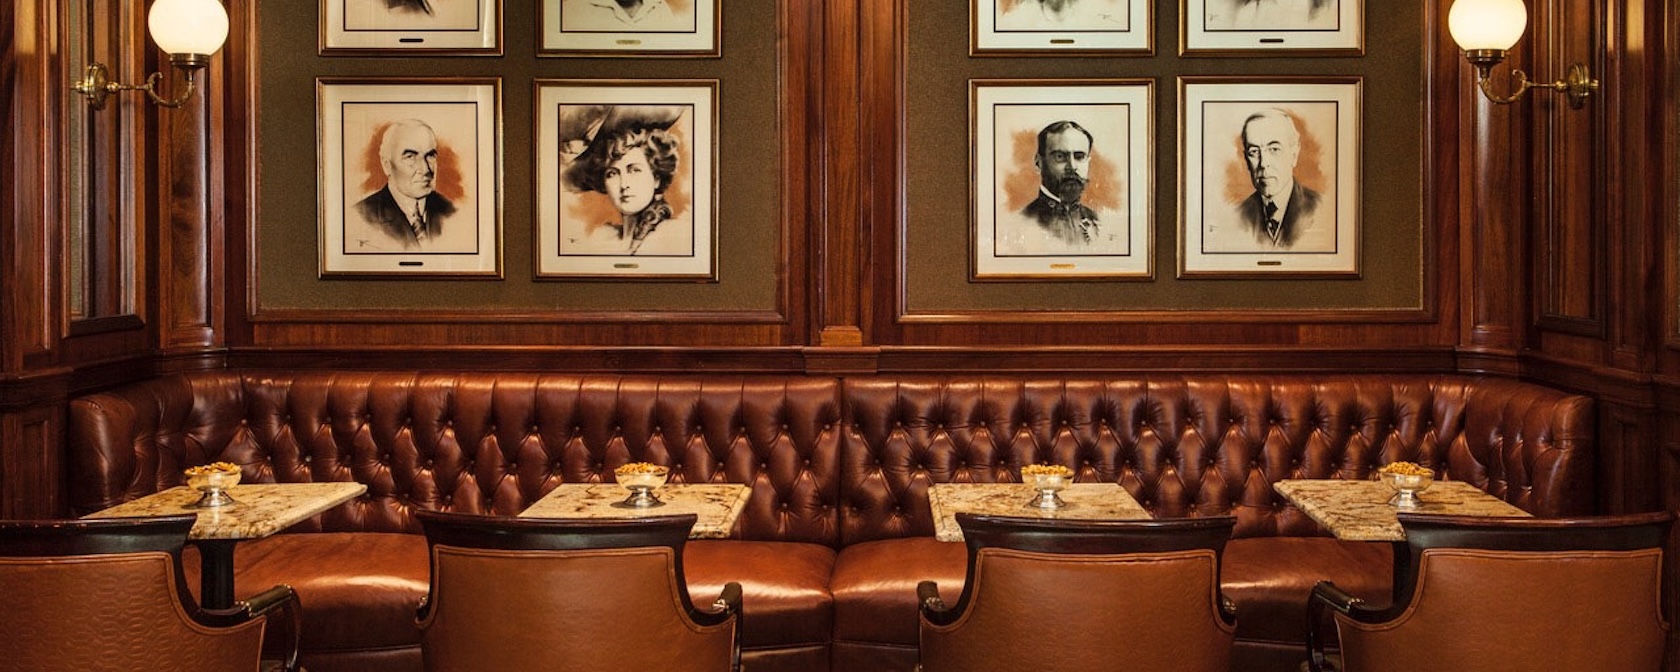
x=725, y=607
x=1227, y=609
x=933, y=607
x=289, y=620
x=269, y=600
x=1325, y=594
x=729, y=601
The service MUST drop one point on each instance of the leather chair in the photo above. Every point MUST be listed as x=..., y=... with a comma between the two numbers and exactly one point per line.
x=576, y=595
x=1083, y=595
x=108, y=594
x=1477, y=593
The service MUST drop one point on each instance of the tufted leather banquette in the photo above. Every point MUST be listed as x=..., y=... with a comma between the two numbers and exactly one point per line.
x=837, y=531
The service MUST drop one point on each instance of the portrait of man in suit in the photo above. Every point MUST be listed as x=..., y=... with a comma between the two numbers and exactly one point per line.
x=407, y=209
x=1281, y=208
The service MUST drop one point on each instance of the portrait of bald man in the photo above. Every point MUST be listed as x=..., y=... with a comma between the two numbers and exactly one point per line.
x=408, y=209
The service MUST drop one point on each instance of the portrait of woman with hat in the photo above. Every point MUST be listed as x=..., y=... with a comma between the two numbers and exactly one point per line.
x=630, y=155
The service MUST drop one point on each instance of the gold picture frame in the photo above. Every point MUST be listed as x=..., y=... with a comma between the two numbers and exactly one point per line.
x=1062, y=179
x=1061, y=27
x=410, y=176
x=411, y=27
x=1272, y=27
x=1271, y=176
x=601, y=28
x=626, y=179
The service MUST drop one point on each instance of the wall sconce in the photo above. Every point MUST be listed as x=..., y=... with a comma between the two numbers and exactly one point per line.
x=190, y=30
x=1486, y=29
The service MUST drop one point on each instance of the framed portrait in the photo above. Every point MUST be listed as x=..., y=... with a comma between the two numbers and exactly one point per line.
x=410, y=176
x=1068, y=27
x=1063, y=180
x=1271, y=176
x=625, y=181
x=410, y=27
x=664, y=28
x=1282, y=27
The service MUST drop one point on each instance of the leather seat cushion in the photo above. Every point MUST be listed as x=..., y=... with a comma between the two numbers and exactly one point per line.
x=875, y=586
x=359, y=590
x=1271, y=579
x=784, y=587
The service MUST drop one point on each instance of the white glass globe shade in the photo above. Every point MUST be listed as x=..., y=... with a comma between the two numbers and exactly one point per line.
x=188, y=26
x=1487, y=24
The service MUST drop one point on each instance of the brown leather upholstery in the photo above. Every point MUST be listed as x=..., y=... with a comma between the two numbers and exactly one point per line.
x=476, y=443
x=1573, y=595
x=472, y=442
x=361, y=604
x=108, y=595
x=831, y=463
x=786, y=585
x=1213, y=444
x=568, y=595
x=1078, y=596
x=1188, y=445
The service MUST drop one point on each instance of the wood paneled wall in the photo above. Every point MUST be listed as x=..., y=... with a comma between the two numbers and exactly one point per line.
x=1550, y=247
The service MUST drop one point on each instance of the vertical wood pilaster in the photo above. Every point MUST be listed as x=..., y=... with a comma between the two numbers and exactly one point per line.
x=190, y=228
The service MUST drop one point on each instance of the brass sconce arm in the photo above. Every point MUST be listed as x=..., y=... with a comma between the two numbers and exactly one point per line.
x=1578, y=83
x=97, y=85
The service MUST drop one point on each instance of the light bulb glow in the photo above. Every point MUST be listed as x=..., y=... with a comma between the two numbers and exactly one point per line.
x=188, y=26
x=1487, y=24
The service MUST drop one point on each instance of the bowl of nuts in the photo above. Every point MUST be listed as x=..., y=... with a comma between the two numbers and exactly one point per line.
x=213, y=480
x=1408, y=479
x=1047, y=479
x=641, y=479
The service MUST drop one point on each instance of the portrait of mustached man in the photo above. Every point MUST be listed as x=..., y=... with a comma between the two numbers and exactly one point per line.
x=1063, y=160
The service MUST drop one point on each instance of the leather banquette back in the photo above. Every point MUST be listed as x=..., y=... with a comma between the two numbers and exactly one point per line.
x=829, y=462
x=1201, y=445
x=471, y=442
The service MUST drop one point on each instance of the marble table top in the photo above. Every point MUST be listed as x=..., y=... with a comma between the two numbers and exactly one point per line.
x=1085, y=501
x=258, y=509
x=716, y=504
x=1359, y=510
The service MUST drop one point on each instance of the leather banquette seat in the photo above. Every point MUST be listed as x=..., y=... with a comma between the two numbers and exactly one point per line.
x=837, y=531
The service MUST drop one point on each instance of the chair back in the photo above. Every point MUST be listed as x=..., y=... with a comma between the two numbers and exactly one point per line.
x=1569, y=594
x=108, y=594
x=576, y=595
x=1085, y=595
